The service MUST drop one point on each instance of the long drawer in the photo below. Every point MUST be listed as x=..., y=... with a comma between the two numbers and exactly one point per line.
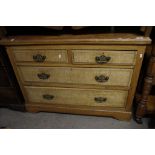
x=41, y=55
x=103, y=57
x=90, y=97
x=95, y=76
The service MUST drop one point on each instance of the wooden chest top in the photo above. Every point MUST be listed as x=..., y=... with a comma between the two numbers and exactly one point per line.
x=112, y=38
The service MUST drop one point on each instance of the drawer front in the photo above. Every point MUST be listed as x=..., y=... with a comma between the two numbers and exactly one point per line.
x=95, y=76
x=4, y=81
x=104, y=57
x=76, y=96
x=41, y=55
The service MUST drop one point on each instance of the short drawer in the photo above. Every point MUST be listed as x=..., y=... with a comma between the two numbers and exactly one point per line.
x=103, y=57
x=94, y=76
x=41, y=55
x=90, y=97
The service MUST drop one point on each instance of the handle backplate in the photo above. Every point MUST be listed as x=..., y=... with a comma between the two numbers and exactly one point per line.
x=101, y=78
x=48, y=97
x=100, y=99
x=39, y=58
x=102, y=59
x=43, y=76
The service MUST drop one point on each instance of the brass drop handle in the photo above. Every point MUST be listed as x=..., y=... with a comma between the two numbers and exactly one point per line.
x=101, y=78
x=39, y=58
x=102, y=59
x=48, y=97
x=100, y=99
x=43, y=76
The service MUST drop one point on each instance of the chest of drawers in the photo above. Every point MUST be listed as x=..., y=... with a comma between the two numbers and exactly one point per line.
x=89, y=74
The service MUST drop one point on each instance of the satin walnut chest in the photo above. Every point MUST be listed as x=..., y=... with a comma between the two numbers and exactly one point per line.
x=78, y=74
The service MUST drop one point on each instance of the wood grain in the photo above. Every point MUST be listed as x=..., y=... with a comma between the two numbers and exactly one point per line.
x=134, y=80
x=116, y=77
x=33, y=64
x=117, y=57
x=112, y=38
x=52, y=56
x=81, y=110
x=72, y=82
x=12, y=60
x=76, y=96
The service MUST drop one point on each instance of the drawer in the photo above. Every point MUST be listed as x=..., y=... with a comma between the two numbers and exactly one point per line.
x=41, y=55
x=90, y=97
x=103, y=57
x=94, y=76
x=4, y=81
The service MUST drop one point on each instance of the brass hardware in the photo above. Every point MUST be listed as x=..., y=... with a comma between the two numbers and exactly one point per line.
x=101, y=78
x=102, y=59
x=39, y=58
x=43, y=76
x=100, y=99
x=48, y=97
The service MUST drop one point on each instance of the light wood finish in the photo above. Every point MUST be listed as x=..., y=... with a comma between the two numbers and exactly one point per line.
x=135, y=76
x=52, y=55
x=122, y=47
x=117, y=57
x=12, y=60
x=73, y=65
x=83, y=110
x=95, y=39
x=76, y=96
x=116, y=77
x=77, y=92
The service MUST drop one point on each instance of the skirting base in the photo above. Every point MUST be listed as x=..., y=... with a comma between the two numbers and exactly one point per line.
x=120, y=115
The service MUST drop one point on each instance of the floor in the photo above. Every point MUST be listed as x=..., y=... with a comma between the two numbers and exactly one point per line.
x=42, y=120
